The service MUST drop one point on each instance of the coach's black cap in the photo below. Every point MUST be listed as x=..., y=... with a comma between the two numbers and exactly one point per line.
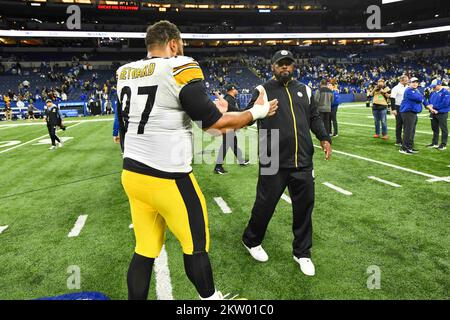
x=282, y=54
x=230, y=87
x=48, y=100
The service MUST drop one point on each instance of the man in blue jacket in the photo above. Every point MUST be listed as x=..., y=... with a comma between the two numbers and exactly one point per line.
x=334, y=108
x=116, y=134
x=409, y=108
x=439, y=106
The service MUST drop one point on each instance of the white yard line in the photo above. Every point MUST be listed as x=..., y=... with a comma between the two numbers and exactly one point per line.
x=354, y=113
x=3, y=228
x=384, y=181
x=162, y=272
x=286, y=198
x=338, y=189
x=372, y=126
x=7, y=127
x=79, y=224
x=352, y=106
x=4, y=126
x=384, y=163
x=222, y=204
x=430, y=176
x=41, y=137
x=446, y=179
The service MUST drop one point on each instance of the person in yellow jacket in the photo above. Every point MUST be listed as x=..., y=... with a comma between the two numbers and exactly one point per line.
x=380, y=94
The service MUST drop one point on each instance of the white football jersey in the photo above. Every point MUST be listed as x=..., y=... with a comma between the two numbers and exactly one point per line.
x=159, y=131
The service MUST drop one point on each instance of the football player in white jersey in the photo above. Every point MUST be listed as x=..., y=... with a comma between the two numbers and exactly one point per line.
x=158, y=98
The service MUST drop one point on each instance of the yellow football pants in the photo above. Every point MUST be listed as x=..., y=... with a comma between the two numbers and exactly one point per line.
x=156, y=203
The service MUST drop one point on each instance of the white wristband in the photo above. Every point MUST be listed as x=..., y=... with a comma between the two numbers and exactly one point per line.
x=259, y=111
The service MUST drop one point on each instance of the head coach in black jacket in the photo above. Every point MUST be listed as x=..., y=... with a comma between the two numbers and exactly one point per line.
x=285, y=157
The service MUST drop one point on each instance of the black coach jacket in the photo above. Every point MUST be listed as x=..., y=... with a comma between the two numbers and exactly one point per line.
x=232, y=103
x=296, y=116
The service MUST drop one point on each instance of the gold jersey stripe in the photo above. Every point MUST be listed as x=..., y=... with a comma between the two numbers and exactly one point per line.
x=188, y=74
x=181, y=70
x=190, y=64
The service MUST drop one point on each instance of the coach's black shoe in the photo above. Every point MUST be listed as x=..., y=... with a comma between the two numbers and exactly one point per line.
x=432, y=145
x=442, y=147
x=245, y=163
x=220, y=170
x=405, y=151
x=414, y=150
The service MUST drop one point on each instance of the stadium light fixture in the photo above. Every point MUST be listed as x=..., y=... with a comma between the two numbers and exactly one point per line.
x=224, y=36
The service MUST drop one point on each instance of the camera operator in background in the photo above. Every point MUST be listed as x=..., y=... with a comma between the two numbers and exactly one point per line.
x=380, y=94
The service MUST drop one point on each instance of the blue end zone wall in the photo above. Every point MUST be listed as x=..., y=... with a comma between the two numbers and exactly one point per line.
x=78, y=107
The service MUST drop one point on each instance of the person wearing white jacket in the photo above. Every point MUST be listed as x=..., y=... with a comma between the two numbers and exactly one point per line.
x=397, y=94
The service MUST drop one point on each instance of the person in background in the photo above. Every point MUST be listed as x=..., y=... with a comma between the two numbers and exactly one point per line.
x=439, y=106
x=30, y=110
x=396, y=99
x=108, y=106
x=380, y=94
x=229, y=139
x=53, y=118
x=409, y=108
x=334, y=108
x=20, y=105
x=8, y=111
x=324, y=99
x=116, y=133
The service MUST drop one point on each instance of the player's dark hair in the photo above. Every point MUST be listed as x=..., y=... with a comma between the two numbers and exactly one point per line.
x=160, y=33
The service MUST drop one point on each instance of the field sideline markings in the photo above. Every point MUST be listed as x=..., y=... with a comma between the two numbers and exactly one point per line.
x=384, y=181
x=79, y=224
x=162, y=272
x=446, y=179
x=286, y=198
x=352, y=106
x=372, y=126
x=3, y=228
x=5, y=126
x=2, y=127
x=222, y=204
x=430, y=176
x=338, y=189
x=41, y=137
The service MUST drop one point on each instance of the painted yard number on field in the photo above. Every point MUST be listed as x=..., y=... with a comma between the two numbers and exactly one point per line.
x=374, y=279
x=74, y=280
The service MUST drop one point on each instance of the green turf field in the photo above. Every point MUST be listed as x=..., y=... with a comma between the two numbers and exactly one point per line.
x=402, y=230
